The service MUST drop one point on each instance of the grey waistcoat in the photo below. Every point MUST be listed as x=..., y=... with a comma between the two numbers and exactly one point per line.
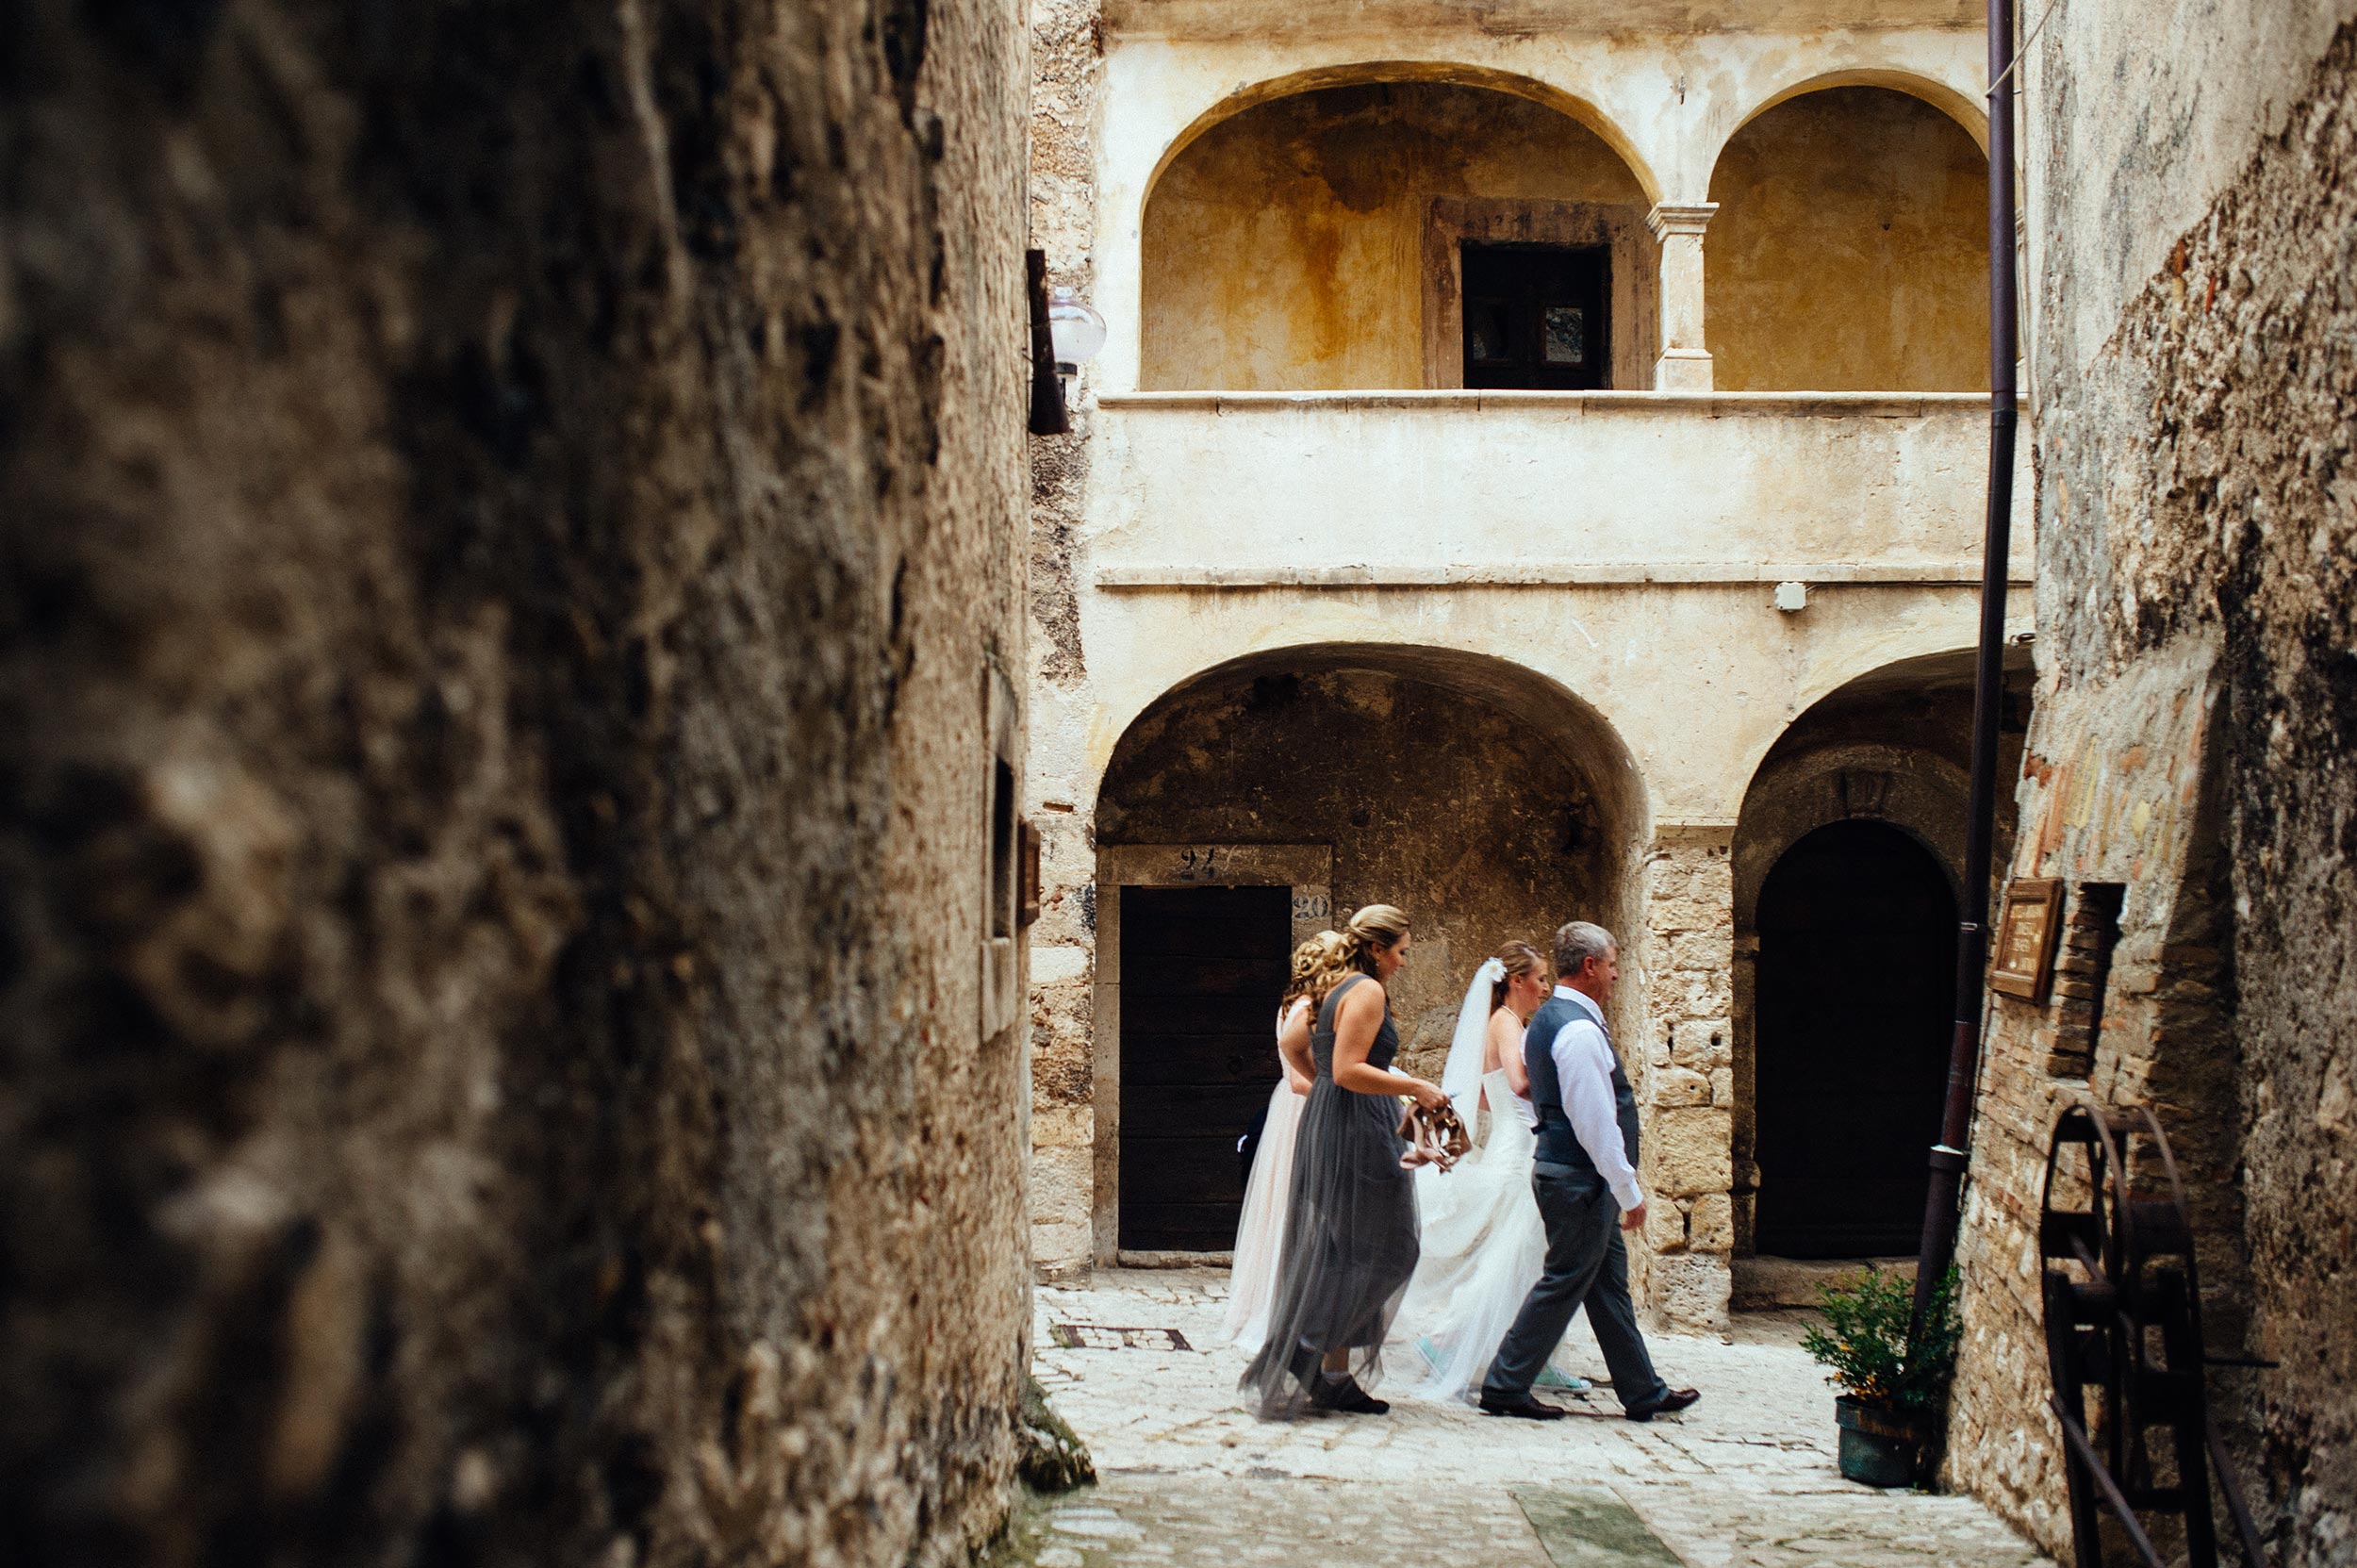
x=1558, y=1144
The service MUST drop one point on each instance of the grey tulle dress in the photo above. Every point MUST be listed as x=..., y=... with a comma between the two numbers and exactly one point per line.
x=1350, y=1234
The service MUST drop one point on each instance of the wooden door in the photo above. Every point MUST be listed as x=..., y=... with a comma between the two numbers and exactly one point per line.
x=1857, y=963
x=1201, y=970
x=1537, y=315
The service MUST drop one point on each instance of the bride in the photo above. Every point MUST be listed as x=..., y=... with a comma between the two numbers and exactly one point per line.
x=1484, y=1244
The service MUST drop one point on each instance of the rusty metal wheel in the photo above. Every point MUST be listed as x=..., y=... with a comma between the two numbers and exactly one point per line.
x=2122, y=1299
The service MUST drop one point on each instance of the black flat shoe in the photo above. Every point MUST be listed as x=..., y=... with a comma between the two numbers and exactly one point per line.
x=1677, y=1399
x=1344, y=1394
x=1524, y=1406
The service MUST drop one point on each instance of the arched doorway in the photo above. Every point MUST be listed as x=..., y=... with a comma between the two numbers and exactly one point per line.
x=1856, y=970
x=1266, y=799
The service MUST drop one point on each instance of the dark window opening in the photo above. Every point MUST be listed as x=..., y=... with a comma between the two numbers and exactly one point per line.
x=2083, y=972
x=1003, y=867
x=1536, y=316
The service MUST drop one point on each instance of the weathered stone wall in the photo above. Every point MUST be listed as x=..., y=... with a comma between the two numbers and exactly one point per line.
x=505, y=514
x=1837, y=198
x=1068, y=68
x=1685, y=1078
x=2198, y=609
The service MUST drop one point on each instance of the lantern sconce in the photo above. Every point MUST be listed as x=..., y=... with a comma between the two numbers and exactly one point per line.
x=1075, y=329
x=1066, y=333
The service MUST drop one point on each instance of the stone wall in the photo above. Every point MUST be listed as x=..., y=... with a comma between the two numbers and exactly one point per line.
x=506, y=517
x=1685, y=1077
x=1068, y=82
x=2197, y=608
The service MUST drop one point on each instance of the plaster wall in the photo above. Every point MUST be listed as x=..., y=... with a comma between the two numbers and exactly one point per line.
x=2195, y=723
x=1850, y=252
x=2163, y=138
x=1284, y=248
x=508, y=517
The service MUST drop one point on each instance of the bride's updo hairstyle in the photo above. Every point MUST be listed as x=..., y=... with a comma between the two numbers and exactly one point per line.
x=1375, y=927
x=1520, y=958
x=1319, y=965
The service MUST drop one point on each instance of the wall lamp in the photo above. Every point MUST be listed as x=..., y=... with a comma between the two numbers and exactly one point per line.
x=1066, y=333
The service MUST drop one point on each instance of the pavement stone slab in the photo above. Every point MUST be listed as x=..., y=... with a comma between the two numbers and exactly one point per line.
x=1189, y=1474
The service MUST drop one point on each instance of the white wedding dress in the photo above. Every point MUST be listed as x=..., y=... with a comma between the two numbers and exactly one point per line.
x=1261, y=1230
x=1484, y=1245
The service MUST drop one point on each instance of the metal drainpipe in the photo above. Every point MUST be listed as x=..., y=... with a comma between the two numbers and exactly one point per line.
x=1949, y=1156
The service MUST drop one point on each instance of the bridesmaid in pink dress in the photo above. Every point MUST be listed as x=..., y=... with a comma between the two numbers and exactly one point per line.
x=1317, y=965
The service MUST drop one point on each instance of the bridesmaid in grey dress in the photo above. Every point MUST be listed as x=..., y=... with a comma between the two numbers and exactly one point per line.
x=1350, y=1239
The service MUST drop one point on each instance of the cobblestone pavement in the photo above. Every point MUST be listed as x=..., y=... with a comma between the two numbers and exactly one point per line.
x=1746, y=1480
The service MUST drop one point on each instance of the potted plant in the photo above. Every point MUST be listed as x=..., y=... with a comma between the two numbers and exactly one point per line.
x=1894, y=1384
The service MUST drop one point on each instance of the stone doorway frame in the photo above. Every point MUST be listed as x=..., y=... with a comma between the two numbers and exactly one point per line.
x=1618, y=228
x=1308, y=869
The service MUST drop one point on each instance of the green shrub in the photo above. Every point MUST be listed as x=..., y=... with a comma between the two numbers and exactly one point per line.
x=1865, y=1342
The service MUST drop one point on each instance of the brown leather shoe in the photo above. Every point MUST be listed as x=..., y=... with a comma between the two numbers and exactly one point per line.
x=1524, y=1406
x=1677, y=1399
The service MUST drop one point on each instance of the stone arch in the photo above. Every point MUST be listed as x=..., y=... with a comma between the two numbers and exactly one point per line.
x=1963, y=109
x=1849, y=248
x=1889, y=746
x=1484, y=797
x=1308, y=236
x=1451, y=72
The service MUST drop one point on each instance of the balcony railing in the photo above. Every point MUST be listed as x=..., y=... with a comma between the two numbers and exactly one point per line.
x=1413, y=489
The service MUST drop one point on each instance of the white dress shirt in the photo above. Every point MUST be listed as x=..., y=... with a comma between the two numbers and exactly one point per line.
x=1583, y=1068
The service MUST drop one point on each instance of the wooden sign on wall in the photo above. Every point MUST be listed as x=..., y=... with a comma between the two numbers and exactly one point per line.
x=2026, y=934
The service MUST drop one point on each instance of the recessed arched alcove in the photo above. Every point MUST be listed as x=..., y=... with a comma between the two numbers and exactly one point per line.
x=1269, y=797
x=1309, y=241
x=1866, y=790
x=1850, y=249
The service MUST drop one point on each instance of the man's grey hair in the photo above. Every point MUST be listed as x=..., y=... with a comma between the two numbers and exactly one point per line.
x=1579, y=941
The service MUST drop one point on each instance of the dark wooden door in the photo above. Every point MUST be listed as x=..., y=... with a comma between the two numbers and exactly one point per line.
x=1201, y=970
x=1537, y=315
x=1857, y=955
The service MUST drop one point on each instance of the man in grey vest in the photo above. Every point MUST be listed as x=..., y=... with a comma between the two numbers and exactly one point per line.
x=1585, y=1181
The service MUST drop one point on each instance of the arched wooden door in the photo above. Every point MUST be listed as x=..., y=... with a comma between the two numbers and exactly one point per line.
x=1858, y=953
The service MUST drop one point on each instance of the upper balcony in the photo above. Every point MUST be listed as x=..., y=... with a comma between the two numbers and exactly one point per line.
x=1448, y=324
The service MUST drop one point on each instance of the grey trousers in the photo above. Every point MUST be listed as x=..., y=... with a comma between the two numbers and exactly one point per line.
x=1587, y=1265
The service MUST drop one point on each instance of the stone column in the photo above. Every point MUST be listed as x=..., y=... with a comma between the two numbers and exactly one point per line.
x=1685, y=364
x=1687, y=1084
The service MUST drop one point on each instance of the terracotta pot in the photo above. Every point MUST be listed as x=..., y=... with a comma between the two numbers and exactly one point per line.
x=1879, y=1446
